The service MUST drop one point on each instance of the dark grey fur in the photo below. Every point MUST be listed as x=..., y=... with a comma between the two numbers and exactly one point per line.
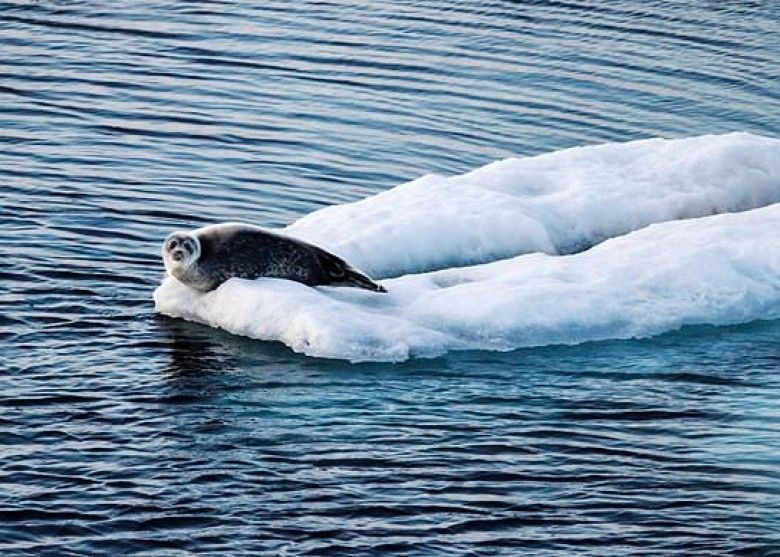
x=243, y=251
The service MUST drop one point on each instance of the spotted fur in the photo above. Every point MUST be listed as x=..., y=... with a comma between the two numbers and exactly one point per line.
x=205, y=258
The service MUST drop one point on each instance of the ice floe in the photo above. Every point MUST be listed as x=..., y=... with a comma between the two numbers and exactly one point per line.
x=721, y=269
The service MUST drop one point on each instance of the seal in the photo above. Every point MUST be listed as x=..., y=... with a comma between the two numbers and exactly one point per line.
x=206, y=257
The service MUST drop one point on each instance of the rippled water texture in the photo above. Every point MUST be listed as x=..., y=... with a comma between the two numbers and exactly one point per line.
x=125, y=432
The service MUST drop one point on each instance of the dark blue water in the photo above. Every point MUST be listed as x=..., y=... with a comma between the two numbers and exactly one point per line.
x=122, y=432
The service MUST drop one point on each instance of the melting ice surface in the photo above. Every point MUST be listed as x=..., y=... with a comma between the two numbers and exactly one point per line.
x=719, y=269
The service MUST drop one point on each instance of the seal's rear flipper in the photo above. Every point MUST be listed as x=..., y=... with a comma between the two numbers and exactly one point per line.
x=341, y=274
x=354, y=278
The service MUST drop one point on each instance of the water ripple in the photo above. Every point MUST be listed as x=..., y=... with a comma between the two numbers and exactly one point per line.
x=125, y=432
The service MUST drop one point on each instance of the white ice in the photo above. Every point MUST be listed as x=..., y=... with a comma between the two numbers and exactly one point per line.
x=721, y=269
x=555, y=203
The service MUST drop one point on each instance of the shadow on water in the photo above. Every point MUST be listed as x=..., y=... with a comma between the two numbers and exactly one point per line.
x=190, y=349
x=198, y=349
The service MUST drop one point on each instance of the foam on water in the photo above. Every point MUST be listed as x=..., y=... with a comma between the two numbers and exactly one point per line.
x=720, y=269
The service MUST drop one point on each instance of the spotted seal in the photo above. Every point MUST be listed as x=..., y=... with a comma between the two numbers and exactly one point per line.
x=206, y=257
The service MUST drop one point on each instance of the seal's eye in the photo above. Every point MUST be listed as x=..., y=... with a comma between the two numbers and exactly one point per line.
x=172, y=244
x=188, y=247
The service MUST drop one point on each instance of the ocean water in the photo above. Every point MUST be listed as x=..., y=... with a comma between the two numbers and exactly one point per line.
x=125, y=432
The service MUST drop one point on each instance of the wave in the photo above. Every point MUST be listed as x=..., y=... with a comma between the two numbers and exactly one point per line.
x=720, y=269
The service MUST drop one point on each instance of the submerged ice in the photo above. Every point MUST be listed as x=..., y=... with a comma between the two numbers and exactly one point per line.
x=720, y=269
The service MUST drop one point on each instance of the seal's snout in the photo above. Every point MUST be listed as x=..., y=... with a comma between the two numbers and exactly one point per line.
x=177, y=255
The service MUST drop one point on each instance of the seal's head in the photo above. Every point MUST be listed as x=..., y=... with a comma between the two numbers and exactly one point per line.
x=180, y=251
